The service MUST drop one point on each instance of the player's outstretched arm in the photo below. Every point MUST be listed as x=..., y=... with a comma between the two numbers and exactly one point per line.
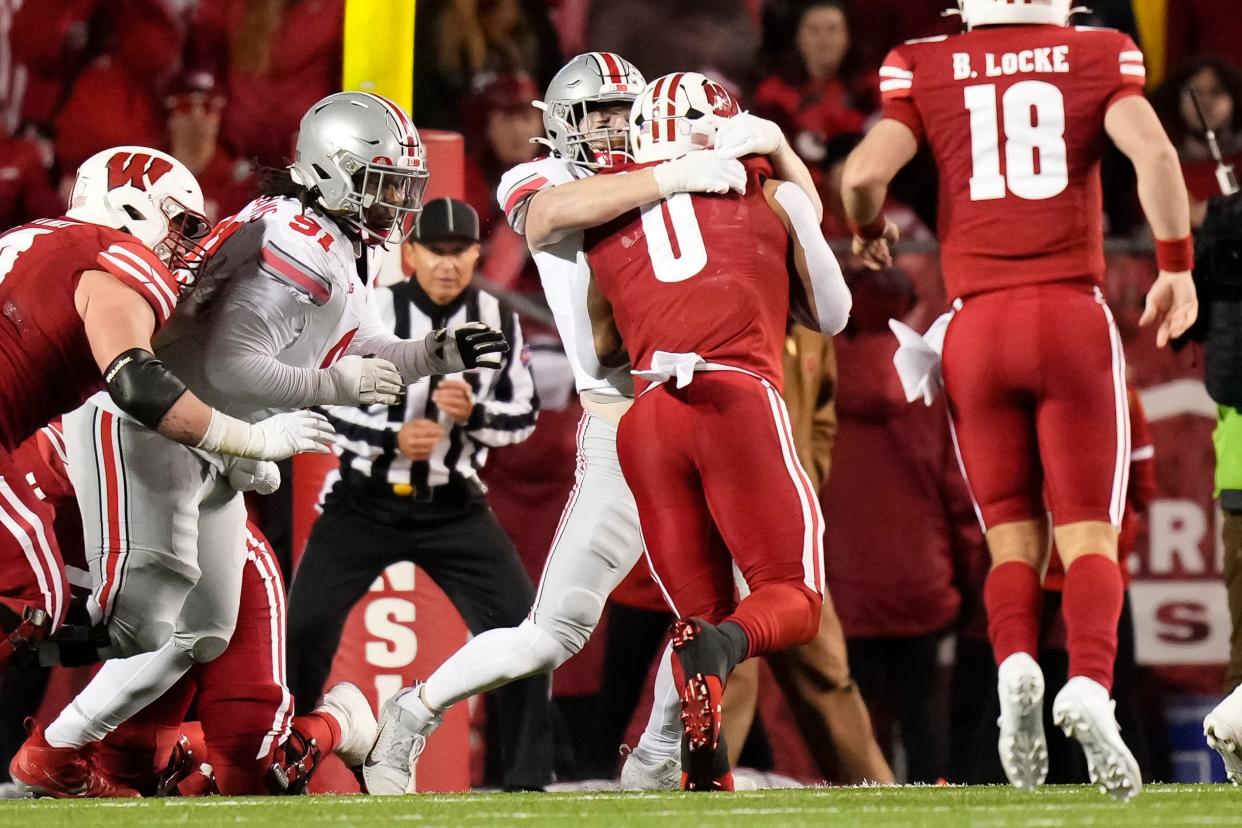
x=446, y=351
x=1172, y=304
x=869, y=170
x=119, y=324
x=555, y=212
x=746, y=134
x=825, y=301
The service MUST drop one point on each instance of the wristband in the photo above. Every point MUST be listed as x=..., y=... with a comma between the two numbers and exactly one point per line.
x=1175, y=255
x=872, y=230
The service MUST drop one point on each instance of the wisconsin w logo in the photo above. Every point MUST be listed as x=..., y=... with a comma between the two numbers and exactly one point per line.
x=136, y=170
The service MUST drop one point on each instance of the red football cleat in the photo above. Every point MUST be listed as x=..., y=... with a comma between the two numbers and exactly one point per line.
x=700, y=664
x=64, y=773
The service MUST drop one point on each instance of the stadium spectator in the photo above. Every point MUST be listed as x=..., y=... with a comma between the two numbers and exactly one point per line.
x=464, y=39
x=898, y=518
x=498, y=123
x=115, y=100
x=814, y=97
x=1202, y=27
x=275, y=58
x=194, y=106
x=25, y=191
x=1218, y=85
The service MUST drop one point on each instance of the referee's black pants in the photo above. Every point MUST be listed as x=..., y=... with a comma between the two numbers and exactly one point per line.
x=459, y=543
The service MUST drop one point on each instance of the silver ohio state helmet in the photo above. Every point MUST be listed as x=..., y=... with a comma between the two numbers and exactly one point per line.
x=361, y=158
x=148, y=194
x=1009, y=12
x=592, y=78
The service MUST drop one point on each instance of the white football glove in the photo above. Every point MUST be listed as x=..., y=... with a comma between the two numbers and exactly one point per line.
x=275, y=438
x=701, y=171
x=246, y=475
x=746, y=134
x=462, y=347
x=356, y=380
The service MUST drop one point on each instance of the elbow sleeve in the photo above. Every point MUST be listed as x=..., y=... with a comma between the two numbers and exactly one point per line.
x=142, y=386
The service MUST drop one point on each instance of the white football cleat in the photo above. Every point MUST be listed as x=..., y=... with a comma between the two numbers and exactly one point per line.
x=349, y=706
x=1084, y=712
x=1023, y=748
x=1223, y=729
x=638, y=774
x=389, y=766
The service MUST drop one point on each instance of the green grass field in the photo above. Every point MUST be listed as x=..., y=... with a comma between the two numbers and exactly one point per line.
x=953, y=807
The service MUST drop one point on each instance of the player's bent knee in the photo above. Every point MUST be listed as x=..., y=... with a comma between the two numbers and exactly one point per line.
x=130, y=639
x=547, y=648
x=203, y=647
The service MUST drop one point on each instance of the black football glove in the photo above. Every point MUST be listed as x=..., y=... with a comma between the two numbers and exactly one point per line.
x=462, y=347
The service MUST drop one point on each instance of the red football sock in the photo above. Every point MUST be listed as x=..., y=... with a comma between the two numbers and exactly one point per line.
x=778, y=616
x=320, y=726
x=1014, y=599
x=1091, y=603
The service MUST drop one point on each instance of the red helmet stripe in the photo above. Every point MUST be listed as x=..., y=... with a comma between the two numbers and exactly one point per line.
x=656, y=94
x=613, y=67
x=671, y=96
x=404, y=124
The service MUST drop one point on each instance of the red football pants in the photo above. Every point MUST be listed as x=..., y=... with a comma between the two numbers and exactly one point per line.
x=1035, y=378
x=31, y=571
x=713, y=469
x=240, y=698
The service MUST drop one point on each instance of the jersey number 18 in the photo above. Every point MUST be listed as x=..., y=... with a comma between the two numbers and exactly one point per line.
x=1033, y=117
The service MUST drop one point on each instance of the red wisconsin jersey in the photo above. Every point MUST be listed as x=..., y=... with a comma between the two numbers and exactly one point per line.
x=699, y=273
x=46, y=366
x=1015, y=118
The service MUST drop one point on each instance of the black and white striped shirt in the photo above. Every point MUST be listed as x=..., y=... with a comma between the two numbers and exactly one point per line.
x=505, y=402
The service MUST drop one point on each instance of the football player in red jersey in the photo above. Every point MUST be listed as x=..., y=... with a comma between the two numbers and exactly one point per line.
x=1016, y=111
x=80, y=298
x=697, y=289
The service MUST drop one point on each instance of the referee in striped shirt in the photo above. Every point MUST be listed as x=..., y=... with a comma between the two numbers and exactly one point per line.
x=408, y=489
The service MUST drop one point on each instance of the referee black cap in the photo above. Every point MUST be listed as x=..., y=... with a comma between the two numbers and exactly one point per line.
x=446, y=218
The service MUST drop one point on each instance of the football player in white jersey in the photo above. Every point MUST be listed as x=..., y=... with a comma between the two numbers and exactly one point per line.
x=283, y=318
x=551, y=201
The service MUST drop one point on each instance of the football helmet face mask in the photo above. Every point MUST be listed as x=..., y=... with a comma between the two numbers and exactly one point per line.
x=575, y=127
x=662, y=118
x=1009, y=12
x=148, y=194
x=360, y=157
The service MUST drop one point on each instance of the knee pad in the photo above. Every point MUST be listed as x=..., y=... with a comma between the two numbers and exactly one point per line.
x=129, y=638
x=570, y=617
x=547, y=649
x=203, y=647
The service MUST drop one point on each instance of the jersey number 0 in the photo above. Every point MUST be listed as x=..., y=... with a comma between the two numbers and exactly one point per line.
x=1033, y=117
x=690, y=255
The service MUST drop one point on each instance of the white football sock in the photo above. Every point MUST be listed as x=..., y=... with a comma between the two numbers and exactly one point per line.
x=662, y=737
x=493, y=659
x=121, y=688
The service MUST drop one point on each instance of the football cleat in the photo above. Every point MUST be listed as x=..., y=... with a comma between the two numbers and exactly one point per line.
x=638, y=774
x=1022, y=745
x=1084, y=712
x=388, y=768
x=347, y=704
x=700, y=664
x=40, y=769
x=1223, y=729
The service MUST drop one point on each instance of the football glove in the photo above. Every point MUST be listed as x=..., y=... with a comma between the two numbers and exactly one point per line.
x=462, y=347
x=356, y=380
x=701, y=171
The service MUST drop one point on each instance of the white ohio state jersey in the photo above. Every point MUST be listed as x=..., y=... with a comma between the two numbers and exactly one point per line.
x=278, y=281
x=563, y=269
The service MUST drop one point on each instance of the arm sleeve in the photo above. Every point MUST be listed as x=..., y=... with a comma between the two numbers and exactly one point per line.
x=830, y=299
x=1130, y=68
x=256, y=321
x=897, y=92
x=507, y=414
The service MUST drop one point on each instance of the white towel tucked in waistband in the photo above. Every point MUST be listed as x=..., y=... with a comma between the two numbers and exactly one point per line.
x=918, y=358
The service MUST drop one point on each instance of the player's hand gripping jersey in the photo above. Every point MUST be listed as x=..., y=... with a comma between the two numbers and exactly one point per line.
x=693, y=274
x=46, y=365
x=1015, y=118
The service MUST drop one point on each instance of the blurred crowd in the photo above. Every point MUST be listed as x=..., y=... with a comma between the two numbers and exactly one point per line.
x=221, y=85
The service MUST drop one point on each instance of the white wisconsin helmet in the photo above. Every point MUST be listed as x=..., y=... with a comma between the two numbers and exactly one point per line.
x=592, y=78
x=361, y=158
x=1007, y=12
x=663, y=116
x=148, y=194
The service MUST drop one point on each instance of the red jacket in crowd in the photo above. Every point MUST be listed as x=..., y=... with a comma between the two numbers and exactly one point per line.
x=25, y=192
x=898, y=513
